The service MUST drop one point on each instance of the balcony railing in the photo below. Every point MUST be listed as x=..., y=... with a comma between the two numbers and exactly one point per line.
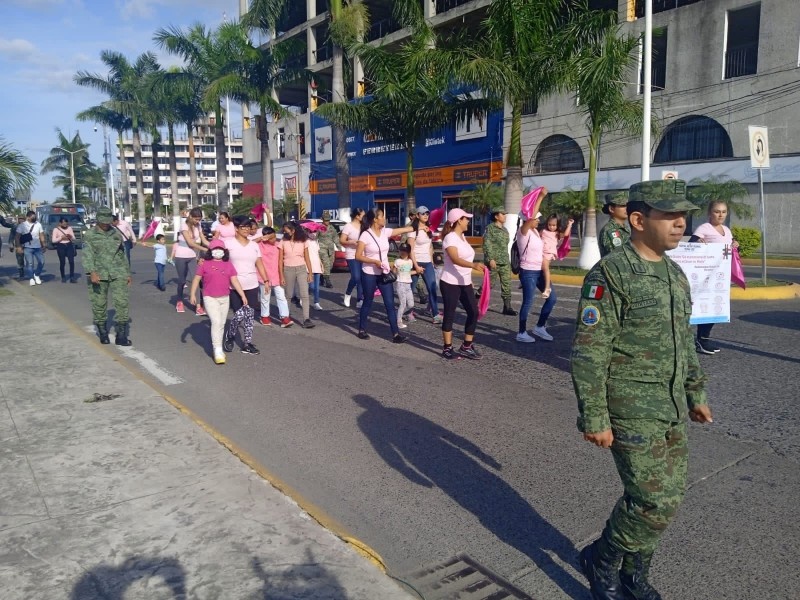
x=741, y=61
x=382, y=28
x=445, y=5
x=323, y=53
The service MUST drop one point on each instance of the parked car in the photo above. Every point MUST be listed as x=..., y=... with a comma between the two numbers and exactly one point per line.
x=339, y=261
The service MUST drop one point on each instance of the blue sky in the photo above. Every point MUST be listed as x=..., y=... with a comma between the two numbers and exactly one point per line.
x=43, y=43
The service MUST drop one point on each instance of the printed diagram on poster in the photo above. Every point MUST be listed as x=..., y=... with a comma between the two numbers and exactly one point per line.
x=708, y=269
x=323, y=144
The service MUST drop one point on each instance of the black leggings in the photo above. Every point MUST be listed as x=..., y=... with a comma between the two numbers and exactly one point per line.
x=66, y=252
x=451, y=296
x=704, y=330
x=185, y=270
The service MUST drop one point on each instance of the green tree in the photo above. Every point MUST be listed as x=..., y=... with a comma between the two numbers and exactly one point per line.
x=483, y=198
x=243, y=206
x=570, y=203
x=67, y=159
x=17, y=173
x=285, y=207
x=703, y=191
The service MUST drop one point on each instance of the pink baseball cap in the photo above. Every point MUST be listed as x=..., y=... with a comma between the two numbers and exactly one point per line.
x=216, y=244
x=456, y=213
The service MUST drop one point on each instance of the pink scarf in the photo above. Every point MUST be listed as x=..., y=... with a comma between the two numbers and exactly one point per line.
x=737, y=273
x=486, y=293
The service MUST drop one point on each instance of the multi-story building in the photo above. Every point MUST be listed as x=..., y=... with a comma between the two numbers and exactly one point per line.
x=205, y=164
x=718, y=66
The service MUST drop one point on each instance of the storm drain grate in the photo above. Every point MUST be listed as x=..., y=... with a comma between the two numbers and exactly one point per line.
x=461, y=578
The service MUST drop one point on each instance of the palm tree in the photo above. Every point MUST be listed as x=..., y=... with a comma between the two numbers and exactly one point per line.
x=209, y=55
x=703, y=191
x=483, y=198
x=17, y=172
x=70, y=161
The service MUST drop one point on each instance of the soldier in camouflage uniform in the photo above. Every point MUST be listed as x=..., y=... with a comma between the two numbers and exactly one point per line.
x=107, y=267
x=497, y=258
x=637, y=377
x=617, y=231
x=327, y=248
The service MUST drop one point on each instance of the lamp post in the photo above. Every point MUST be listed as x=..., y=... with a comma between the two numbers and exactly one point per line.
x=72, y=154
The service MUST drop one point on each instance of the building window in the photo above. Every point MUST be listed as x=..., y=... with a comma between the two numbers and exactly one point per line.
x=530, y=107
x=662, y=5
x=557, y=153
x=741, y=42
x=694, y=138
x=658, y=73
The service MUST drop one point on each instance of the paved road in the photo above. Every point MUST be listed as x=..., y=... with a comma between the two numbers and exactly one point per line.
x=424, y=460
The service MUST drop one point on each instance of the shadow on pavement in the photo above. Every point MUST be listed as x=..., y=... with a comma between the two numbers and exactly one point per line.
x=430, y=455
x=755, y=352
x=112, y=582
x=785, y=319
x=308, y=580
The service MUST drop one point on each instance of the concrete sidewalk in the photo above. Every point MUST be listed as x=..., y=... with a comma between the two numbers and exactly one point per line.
x=108, y=491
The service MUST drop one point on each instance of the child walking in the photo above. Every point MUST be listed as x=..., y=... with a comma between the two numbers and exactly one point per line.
x=160, y=261
x=218, y=277
x=271, y=256
x=402, y=287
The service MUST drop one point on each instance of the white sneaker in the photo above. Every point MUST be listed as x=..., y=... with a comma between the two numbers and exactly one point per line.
x=219, y=356
x=542, y=333
x=33, y=282
x=359, y=303
x=37, y=280
x=525, y=338
x=402, y=325
x=317, y=306
x=347, y=299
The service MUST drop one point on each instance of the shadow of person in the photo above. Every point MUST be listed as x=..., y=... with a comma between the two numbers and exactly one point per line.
x=307, y=580
x=112, y=582
x=430, y=455
x=200, y=332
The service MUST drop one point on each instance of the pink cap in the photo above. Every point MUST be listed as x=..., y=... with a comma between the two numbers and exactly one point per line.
x=456, y=213
x=216, y=244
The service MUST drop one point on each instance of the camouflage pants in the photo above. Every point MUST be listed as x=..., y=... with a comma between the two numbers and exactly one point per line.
x=504, y=273
x=326, y=256
x=651, y=458
x=120, y=294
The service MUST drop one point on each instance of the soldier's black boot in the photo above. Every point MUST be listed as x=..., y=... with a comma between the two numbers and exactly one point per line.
x=102, y=333
x=600, y=564
x=633, y=577
x=327, y=281
x=507, y=310
x=123, y=330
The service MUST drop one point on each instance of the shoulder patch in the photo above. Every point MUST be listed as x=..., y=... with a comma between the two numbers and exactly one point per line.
x=617, y=240
x=592, y=291
x=590, y=316
x=639, y=269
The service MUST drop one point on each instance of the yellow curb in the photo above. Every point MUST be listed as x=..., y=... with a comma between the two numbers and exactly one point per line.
x=311, y=509
x=575, y=280
x=778, y=292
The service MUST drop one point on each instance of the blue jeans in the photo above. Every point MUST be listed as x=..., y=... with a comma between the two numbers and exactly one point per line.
x=313, y=287
x=159, y=275
x=531, y=280
x=355, y=278
x=30, y=255
x=369, y=283
x=128, y=244
x=429, y=277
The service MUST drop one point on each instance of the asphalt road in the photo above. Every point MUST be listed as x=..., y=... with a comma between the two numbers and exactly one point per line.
x=424, y=460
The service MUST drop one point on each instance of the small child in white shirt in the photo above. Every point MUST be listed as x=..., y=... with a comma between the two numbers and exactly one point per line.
x=403, y=266
x=160, y=259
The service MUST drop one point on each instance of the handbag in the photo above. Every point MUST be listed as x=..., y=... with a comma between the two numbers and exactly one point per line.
x=383, y=278
x=24, y=238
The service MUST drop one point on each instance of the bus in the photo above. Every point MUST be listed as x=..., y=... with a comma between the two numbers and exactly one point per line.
x=50, y=214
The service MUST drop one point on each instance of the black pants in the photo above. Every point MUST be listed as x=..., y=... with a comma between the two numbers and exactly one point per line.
x=451, y=296
x=66, y=252
x=704, y=330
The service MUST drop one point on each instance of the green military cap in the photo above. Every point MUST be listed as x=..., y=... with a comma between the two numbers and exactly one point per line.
x=105, y=216
x=618, y=199
x=326, y=216
x=667, y=195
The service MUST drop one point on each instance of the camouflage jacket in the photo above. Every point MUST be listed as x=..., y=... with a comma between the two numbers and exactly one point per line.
x=633, y=355
x=495, y=245
x=104, y=253
x=612, y=236
x=328, y=238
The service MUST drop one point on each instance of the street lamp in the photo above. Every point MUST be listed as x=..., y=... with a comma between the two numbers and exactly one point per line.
x=72, y=154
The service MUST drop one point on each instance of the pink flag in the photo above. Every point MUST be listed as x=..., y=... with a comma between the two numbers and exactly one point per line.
x=150, y=229
x=564, y=249
x=737, y=273
x=529, y=202
x=258, y=211
x=437, y=217
x=486, y=293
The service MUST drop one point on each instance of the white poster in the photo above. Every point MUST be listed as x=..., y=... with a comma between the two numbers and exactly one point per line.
x=323, y=144
x=708, y=268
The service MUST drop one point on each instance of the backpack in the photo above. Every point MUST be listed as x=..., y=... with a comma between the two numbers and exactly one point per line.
x=516, y=257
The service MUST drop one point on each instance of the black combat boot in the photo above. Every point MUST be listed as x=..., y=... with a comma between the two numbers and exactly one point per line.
x=102, y=333
x=507, y=310
x=600, y=564
x=326, y=281
x=123, y=330
x=633, y=577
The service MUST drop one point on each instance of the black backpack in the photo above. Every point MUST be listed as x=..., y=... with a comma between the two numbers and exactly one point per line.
x=515, y=256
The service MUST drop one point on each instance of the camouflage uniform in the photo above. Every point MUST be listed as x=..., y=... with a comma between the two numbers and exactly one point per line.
x=495, y=248
x=612, y=236
x=635, y=371
x=104, y=254
x=327, y=241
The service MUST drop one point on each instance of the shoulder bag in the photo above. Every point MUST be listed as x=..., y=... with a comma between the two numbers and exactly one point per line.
x=383, y=278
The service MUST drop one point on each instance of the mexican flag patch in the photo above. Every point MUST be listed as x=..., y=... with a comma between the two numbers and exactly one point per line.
x=592, y=292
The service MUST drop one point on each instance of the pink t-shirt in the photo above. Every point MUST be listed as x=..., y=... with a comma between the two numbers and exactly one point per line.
x=216, y=276
x=269, y=258
x=453, y=274
x=313, y=256
x=709, y=234
x=294, y=253
x=421, y=246
x=352, y=232
x=183, y=250
x=550, y=242
x=225, y=231
x=244, y=258
x=376, y=247
x=531, y=250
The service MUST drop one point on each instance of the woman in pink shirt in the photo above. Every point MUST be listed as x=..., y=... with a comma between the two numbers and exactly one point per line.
x=190, y=242
x=713, y=232
x=534, y=273
x=348, y=238
x=63, y=238
x=296, y=272
x=223, y=227
x=456, y=285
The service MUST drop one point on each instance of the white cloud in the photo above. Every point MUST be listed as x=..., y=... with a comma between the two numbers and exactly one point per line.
x=37, y=4
x=137, y=9
x=16, y=48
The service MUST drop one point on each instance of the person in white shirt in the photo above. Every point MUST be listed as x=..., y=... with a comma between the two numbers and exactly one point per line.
x=30, y=242
x=127, y=233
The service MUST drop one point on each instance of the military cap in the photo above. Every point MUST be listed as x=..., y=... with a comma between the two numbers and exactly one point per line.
x=326, y=216
x=104, y=216
x=667, y=195
x=618, y=199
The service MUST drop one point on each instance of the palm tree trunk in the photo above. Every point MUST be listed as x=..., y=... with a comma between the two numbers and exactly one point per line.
x=339, y=135
x=590, y=250
x=411, y=198
x=514, y=188
x=173, y=176
x=156, y=175
x=222, y=173
x=266, y=160
x=194, y=193
x=123, y=176
x=137, y=164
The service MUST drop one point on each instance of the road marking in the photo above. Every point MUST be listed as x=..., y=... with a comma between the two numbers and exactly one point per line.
x=147, y=363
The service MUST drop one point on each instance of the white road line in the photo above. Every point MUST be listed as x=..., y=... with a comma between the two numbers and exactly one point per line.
x=147, y=363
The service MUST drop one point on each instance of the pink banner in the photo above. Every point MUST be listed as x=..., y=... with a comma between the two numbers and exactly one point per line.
x=737, y=273
x=529, y=202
